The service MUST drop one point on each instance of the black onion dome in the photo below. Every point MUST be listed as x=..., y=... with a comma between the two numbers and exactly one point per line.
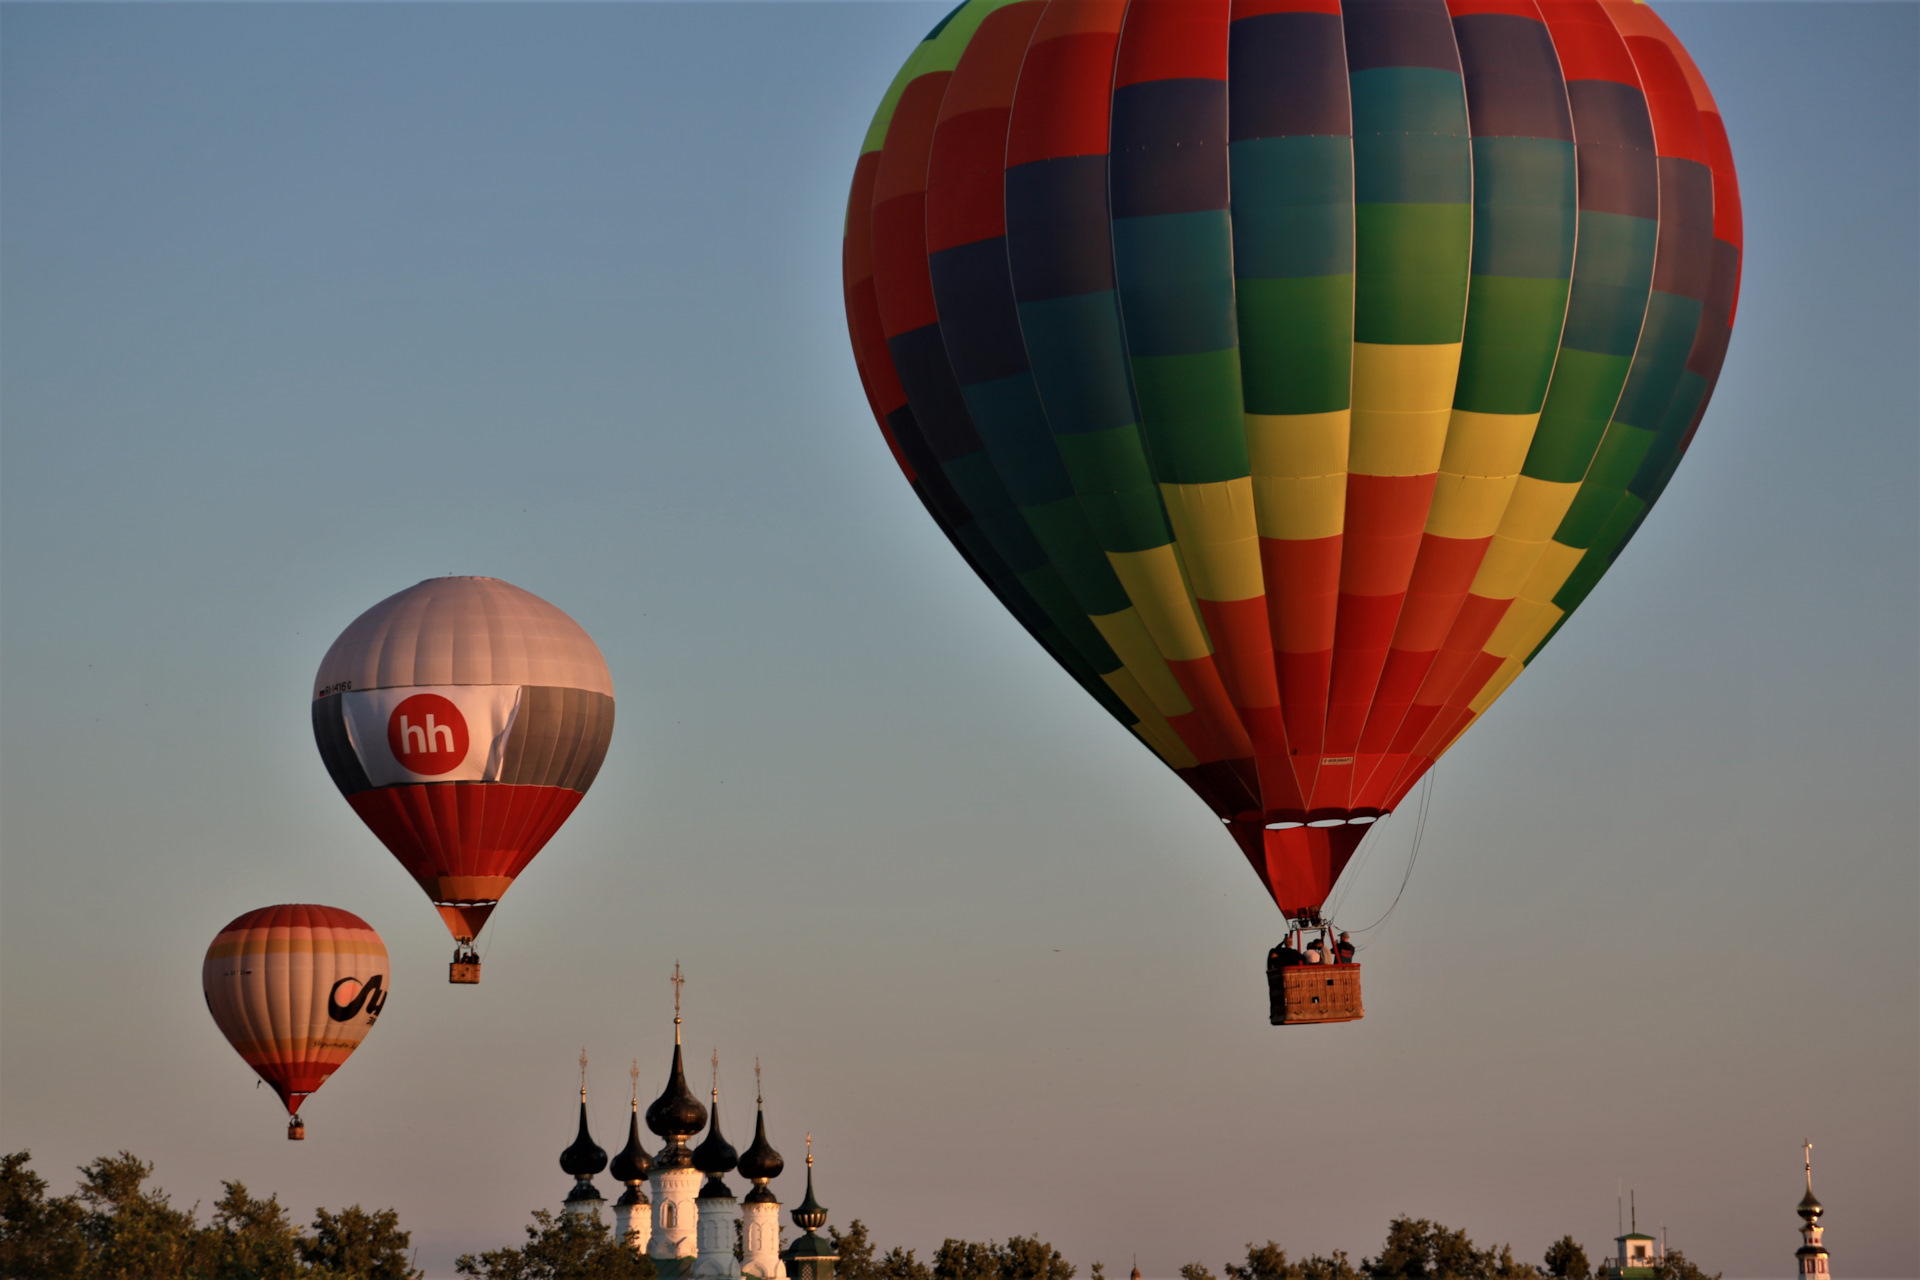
x=676, y=1113
x=716, y=1155
x=760, y=1161
x=1810, y=1206
x=632, y=1164
x=584, y=1158
x=811, y=1215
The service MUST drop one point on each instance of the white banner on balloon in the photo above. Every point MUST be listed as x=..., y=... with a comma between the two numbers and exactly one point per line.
x=431, y=733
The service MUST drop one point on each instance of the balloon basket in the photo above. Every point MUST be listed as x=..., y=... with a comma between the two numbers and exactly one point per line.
x=465, y=969
x=296, y=1130
x=1303, y=993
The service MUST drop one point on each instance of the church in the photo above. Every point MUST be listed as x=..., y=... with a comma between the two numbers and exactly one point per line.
x=678, y=1209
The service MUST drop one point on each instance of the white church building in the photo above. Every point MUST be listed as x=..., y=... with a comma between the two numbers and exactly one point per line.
x=678, y=1208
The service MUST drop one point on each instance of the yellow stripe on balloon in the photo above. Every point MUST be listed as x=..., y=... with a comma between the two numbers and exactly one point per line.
x=1509, y=672
x=1402, y=402
x=1218, y=537
x=1127, y=636
x=1299, y=464
x=1165, y=743
x=367, y=945
x=1154, y=581
x=1533, y=513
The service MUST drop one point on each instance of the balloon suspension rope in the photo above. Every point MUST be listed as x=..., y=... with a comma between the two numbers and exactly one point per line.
x=1413, y=855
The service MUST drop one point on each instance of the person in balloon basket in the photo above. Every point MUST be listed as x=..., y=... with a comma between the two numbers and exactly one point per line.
x=1284, y=956
x=1344, y=950
x=1317, y=950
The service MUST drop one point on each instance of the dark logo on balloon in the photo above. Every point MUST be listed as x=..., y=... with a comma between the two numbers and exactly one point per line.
x=369, y=996
x=427, y=734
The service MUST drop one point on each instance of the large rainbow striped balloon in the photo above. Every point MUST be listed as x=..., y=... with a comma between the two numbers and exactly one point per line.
x=1292, y=368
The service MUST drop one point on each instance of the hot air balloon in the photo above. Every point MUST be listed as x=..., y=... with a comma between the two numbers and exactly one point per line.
x=1292, y=369
x=463, y=719
x=295, y=989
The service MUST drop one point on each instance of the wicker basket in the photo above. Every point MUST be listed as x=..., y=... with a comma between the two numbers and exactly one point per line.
x=1315, y=993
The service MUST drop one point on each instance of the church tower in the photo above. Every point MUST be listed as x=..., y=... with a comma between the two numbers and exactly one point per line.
x=812, y=1255
x=1811, y=1253
x=675, y=1115
x=760, y=1212
x=583, y=1160
x=633, y=1212
x=718, y=1213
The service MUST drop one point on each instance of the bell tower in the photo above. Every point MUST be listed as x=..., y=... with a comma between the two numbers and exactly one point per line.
x=1811, y=1254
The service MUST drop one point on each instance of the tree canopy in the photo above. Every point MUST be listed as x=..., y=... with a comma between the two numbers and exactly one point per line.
x=560, y=1247
x=116, y=1227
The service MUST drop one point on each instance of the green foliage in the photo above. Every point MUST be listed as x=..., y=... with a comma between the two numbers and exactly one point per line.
x=117, y=1228
x=251, y=1239
x=1020, y=1258
x=356, y=1245
x=1566, y=1260
x=40, y=1236
x=1030, y=1258
x=1676, y=1266
x=900, y=1264
x=560, y=1247
x=1097, y=1271
x=855, y=1248
x=1270, y=1262
x=965, y=1260
x=1417, y=1249
x=133, y=1233
x=1195, y=1271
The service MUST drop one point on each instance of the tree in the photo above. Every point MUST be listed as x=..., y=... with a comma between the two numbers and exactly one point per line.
x=250, y=1239
x=133, y=1233
x=1676, y=1266
x=1195, y=1271
x=1031, y=1258
x=1270, y=1262
x=965, y=1260
x=567, y=1247
x=855, y=1248
x=40, y=1237
x=900, y=1264
x=1020, y=1258
x=1332, y=1266
x=1097, y=1271
x=356, y=1245
x=1566, y=1260
x=1417, y=1249
x=1506, y=1267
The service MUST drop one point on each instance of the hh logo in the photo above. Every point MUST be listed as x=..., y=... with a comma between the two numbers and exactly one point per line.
x=360, y=995
x=428, y=734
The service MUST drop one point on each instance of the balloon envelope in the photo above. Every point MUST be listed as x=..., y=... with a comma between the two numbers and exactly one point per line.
x=463, y=719
x=1291, y=369
x=295, y=989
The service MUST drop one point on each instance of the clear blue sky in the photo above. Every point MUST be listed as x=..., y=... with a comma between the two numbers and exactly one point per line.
x=304, y=303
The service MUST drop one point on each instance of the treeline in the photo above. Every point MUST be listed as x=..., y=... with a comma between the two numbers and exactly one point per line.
x=115, y=1227
x=1415, y=1249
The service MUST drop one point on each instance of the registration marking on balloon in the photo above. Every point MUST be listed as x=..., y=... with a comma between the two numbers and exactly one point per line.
x=448, y=733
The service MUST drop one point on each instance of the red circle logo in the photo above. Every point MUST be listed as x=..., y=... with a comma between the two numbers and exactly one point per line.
x=427, y=734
